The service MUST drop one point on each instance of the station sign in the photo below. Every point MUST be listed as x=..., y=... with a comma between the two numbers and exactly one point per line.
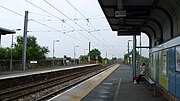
x=124, y=32
x=33, y=62
x=120, y=13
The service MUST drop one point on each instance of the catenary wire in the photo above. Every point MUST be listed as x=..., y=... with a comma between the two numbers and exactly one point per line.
x=59, y=19
x=87, y=20
x=40, y=23
x=71, y=19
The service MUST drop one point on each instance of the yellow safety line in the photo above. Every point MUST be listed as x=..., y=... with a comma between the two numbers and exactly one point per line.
x=85, y=91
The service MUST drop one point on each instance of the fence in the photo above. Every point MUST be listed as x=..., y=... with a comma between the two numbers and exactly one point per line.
x=17, y=64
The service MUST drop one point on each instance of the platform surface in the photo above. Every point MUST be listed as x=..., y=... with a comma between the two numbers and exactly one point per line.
x=114, y=84
x=119, y=87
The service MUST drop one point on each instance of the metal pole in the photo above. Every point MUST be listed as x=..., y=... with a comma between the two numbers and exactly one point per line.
x=140, y=48
x=128, y=52
x=53, y=48
x=74, y=54
x=89, y=58
x=84, y=51
x=24, y=41
x=0, y=40
x=53, y=52
x=106, y=55
x=11, y=60
x=11, y=53
x=89, y=46
x=134, y=55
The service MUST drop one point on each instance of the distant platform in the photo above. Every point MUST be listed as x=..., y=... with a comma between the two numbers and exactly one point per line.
x=14, y=74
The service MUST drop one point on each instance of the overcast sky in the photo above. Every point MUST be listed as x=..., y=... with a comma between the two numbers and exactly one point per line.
x=58, y=20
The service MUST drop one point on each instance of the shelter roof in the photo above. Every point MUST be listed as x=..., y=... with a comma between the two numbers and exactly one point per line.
x=4, y=31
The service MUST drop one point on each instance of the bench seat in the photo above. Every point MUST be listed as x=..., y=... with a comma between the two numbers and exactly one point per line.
x=149, y=80
x=152, y=83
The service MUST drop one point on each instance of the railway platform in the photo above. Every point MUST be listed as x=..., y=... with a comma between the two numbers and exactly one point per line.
x=20, y=73
x=114, y=84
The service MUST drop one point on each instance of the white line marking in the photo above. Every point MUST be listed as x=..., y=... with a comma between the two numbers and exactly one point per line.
x=106, y=83
x=117, y=91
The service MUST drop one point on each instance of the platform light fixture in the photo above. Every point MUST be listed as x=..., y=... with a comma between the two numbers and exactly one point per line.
x=128, y=51
x=85, y=51
x=54, y=49
x=75, y=53
x=12, y=44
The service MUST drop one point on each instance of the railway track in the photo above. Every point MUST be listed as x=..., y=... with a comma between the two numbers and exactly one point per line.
x=47, y=88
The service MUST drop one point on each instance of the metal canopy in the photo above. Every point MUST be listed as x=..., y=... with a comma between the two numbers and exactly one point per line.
x=137, y=13
x=4, y=31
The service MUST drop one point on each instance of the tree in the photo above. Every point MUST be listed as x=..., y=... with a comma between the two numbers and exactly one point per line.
x=126, y=57
x=138, y=57
x=95, y=53
x=4, y=53
x=131, y=53
x=84, y=57
x=114, y=59
x=33, y=51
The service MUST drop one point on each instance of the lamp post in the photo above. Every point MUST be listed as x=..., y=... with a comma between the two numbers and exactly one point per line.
x=11, y=60
x=128, y=51
x=85, y=51
x=54, y=49
x=75, y=53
